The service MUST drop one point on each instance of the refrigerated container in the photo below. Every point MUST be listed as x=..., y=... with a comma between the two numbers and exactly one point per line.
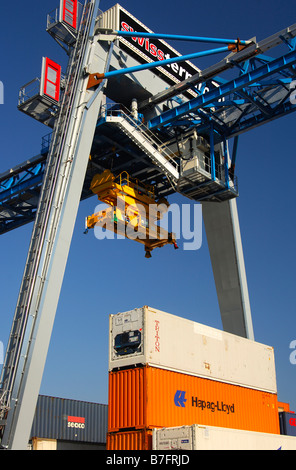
x=149, y=336
x=198, y=437
x=149, y=397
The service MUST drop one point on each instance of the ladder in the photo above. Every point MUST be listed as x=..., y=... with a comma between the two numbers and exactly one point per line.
x=32, y=324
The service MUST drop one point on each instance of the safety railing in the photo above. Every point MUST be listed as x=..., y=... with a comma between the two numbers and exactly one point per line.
x=203, y=167
x=54, y=16
x=45, y=143
x=125, y=180
x=29, y=90
x=32, y=89
x=119, y=110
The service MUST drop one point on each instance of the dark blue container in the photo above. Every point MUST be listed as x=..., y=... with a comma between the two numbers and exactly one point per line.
x=70, y=420
x=288, y=423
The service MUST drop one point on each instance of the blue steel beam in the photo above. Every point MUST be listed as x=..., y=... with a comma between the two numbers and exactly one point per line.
x=21, y=178
x=19, y=193
x=137, y=34
x=243, y=81
x=18, y=188
x=258, y=120
x=160, y=63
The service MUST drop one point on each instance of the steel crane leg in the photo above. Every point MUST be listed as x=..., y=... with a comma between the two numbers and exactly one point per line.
x=226, y=252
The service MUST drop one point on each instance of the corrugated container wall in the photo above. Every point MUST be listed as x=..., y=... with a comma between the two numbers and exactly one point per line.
x=148, y=397
x=140, y=439
x=149, y=336
x=110, y=19
x=71, y=420
x=283, y=406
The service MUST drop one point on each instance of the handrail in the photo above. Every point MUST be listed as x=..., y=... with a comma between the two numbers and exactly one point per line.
x=125, y=179
x=119, y=110
x=26, y=93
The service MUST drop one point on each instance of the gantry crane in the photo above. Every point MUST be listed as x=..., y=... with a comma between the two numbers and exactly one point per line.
x=180, y=144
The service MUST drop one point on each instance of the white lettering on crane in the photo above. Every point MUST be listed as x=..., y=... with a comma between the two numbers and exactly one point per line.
x=153, y=50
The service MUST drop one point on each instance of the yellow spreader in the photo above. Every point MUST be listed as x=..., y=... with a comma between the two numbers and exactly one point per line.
x=133, y=210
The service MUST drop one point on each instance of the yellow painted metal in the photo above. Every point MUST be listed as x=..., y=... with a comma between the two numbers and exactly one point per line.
x=133, y=212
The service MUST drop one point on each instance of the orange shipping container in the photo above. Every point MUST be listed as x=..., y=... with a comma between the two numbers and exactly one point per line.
x=140, y=439
x=283, y=406
x=148, y=397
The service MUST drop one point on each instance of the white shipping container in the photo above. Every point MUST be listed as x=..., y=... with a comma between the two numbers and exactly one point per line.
x=159, y=339
x=198, y=437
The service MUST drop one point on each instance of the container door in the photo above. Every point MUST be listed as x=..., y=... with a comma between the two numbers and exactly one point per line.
x=68, y=12
x=50, y=79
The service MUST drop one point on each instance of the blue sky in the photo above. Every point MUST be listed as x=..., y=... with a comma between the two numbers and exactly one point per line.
x=104, y=277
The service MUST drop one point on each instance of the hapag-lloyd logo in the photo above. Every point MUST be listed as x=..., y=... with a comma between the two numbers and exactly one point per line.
x=180, y=400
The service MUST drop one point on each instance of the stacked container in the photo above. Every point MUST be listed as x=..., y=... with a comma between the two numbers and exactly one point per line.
x=198, y=437
x=167, y=371
x=288, y=423
x=62, y=423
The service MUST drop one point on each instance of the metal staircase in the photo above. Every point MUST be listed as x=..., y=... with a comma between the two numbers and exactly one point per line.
x=145, y=140
x=197, y=183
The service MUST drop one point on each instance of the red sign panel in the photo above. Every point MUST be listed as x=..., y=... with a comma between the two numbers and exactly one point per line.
x=76, y=422
x=51, y=79
x=292, y=421
x=69, y=12
x=76, y=419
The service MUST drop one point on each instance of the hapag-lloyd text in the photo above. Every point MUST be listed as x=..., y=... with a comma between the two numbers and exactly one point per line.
x=213, y=406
